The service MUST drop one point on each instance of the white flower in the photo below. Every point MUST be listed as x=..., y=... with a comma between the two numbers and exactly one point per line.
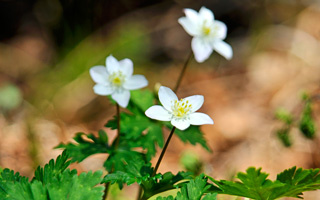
x=116, y=79
x=208, y=34
x=181, y=113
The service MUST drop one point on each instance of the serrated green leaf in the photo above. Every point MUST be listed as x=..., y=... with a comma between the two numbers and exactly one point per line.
x=53, y=182
x=52, y=169
x=297, y=181
x=135, y=171
x=161, y=183
x=254, y=184
x=193, y=190
x=86, y=146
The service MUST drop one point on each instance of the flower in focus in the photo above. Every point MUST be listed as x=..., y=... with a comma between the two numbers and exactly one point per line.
x=116, y=79
x=181, y=112
x=208, y=34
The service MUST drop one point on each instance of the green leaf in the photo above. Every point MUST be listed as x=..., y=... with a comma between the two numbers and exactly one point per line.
x=128, y=173
x=53, y=182
x=86, y=146
x=52, y=169
x=162, y=183
x=284, y=116
x=193, y=135
x=120, y=158
x=307, y=124
x=194, y=190
x=283, y=135
x=254, y=184
x=297, y=181
x=70, y=186
x=137, y=130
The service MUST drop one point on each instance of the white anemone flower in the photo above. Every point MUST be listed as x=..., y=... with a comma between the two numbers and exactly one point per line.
x=208, y=34
x=181, y=112
x=116, y=79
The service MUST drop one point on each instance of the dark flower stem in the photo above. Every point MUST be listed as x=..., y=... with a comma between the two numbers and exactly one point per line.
x=163, y=151
x=183, y=71
x=159, y=160
x=117, y=140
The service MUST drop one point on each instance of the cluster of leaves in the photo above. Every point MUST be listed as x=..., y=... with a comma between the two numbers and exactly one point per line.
x=195, y=190
x=305, y=123
x=253, y=184
x=137, y=131
x=55, y=182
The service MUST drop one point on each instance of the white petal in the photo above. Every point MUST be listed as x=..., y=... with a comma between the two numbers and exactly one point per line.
x=220, y=30
x=167, y=97
x=102, y=89
x=206, y=14
x=180, y=124
x=126, y=66
x=112, y=64
x=191, y=28
x=158, y=113
x=201, y=49
x=199, y=119
x=135, y=82
x=192, y=15
x=196, y=101
x=122, y=98
x=99, y=74
x=223, y=49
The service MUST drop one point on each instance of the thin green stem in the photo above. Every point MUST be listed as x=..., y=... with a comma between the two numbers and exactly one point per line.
x=163, y=151
x=116, y=146
x=183, y=71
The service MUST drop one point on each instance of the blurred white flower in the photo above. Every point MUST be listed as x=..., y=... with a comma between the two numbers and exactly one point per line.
x=208, y=34
x=116, y=79
x=181, y=113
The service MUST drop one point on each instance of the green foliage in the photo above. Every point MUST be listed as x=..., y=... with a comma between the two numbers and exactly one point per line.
x=137, y=130
x=283, y=135
x=86, y=146
x=136, y=171
x=255, y=185
x=306, y=124
x=140, y=172
x=54, y=182
x=298, y=181
x=162, y=183
x=193, y=135
x=194, y=190
x=283, y=132
x=120, y=158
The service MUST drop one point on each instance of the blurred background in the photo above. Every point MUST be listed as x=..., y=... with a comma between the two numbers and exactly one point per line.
x=48, y=46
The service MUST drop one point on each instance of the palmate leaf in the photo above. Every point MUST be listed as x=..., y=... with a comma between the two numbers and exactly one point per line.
x=297, y=181
x=195, y=189
x=255, y=185
x=53, y=182
x=86, y=146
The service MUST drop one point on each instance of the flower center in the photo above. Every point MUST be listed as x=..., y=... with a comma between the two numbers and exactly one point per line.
x=117, y=79
x=181, y=108
x=206, y=30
